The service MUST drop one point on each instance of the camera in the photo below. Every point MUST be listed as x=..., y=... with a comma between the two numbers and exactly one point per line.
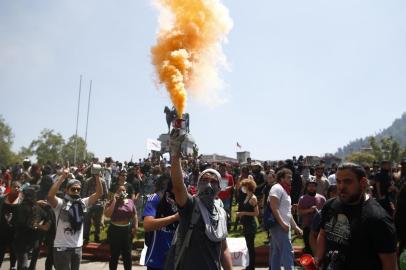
x=122, y=195
x=96, y=169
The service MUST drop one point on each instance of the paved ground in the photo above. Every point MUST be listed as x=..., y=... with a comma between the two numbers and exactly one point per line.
x=89, y=265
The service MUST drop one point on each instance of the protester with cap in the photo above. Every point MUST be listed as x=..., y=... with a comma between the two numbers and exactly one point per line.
x=160, y=222
x=69, y=213
x=201, y=240
x=309, y=204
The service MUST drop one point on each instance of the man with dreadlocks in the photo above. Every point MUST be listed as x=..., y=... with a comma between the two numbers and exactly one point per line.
x=69, y=214
x=201, y=238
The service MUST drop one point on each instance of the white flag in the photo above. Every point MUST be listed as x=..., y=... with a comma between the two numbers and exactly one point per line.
x=153, y=145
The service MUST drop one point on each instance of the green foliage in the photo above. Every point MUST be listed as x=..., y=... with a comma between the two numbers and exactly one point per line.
x=397, y=132
x=51, y=146
x=68, y=150
x=386, y=149
x=361, y=158
x=48, y=146
x=7, y=156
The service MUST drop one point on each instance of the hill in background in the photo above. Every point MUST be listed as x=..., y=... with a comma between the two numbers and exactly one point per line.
x=397, y=131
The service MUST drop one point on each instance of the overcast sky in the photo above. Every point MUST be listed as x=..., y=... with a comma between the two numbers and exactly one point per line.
x=306, y=77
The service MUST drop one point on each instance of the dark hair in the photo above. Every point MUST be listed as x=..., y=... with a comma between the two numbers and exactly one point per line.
x=35, y=167
x=355, y=168
x=331, y=188
x=282, y=173
x=161, y=182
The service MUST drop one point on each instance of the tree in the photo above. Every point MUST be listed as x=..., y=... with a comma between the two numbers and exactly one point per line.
x=48, y=147
x=362, y=158
x=68, y=150
x=7, y=156
x=386, y=149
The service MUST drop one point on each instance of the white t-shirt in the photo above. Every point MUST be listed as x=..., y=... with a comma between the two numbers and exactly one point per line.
x=64, y=234
x=284, y=202
x=332, y=179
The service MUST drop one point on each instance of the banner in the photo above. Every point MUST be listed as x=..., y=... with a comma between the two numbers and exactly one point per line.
x=153, y=145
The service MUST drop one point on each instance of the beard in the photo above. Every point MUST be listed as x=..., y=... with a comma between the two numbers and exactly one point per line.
x=350, y=199
x=311, y=193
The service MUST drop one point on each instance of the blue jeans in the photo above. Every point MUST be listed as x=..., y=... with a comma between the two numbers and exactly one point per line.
x=281, y=249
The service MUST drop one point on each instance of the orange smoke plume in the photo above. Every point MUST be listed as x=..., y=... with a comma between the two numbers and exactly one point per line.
x=188, y=49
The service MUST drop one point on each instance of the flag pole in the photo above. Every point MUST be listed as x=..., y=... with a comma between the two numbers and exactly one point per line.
x=87, y=120
x=77, y=122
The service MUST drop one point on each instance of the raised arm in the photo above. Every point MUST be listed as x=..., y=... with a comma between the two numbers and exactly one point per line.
x=179, y=188
x=99, y=191
x=110, y=207
x=52, y=200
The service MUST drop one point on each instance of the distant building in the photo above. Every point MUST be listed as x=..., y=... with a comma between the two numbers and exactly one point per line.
x=218, y=158
x=243, y=156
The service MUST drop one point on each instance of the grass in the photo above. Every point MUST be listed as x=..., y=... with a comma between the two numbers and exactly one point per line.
x=260, y=238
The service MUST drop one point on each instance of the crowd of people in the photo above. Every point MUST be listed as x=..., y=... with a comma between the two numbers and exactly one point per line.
x=350, y=216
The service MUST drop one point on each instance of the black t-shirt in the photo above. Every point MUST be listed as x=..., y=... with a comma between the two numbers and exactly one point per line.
x=259, y=178
x=45, y=186
x=26, y=216
x=384, y=178
x=296, y=188
x=265, y=193
x=355, y=235
x=202, y=253
x=6, y=215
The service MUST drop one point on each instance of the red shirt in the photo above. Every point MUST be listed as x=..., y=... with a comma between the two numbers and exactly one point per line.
x=226, y=194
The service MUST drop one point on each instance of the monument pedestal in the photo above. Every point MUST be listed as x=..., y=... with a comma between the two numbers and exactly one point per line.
x=187, y=145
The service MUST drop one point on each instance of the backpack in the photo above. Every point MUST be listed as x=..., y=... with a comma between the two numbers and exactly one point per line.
x=268, y=220
x=181, y=242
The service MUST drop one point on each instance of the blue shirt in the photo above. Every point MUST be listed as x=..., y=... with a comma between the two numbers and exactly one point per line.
x=159, y=241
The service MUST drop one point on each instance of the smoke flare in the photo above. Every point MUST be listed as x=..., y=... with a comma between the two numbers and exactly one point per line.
x=188, y=50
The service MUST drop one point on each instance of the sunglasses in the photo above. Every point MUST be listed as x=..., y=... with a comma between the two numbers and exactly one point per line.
x=75, y=189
